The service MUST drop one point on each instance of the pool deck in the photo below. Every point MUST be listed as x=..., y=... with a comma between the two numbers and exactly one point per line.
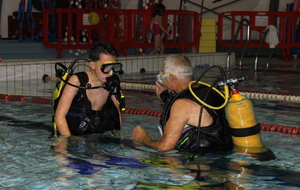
x=21, y=60
x=34, y=60
x=275, y=64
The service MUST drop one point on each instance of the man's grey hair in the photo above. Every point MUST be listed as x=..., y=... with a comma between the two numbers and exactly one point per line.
x=180, y=66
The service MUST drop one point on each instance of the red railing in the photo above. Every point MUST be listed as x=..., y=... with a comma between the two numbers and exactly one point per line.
x=287, y=24
x=125, y=29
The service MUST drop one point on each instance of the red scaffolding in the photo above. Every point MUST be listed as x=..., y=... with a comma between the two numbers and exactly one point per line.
x=125, y=29
x=288, y=30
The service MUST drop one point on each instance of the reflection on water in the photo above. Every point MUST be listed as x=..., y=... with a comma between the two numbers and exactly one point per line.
x=258, y=153
x=122, y=162
x=104, y=162
x=32, y=161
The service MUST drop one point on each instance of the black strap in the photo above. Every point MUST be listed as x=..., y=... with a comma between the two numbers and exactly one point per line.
x=84, y=79
x=246, y=131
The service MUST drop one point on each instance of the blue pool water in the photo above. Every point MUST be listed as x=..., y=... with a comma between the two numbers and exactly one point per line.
x=28, y=160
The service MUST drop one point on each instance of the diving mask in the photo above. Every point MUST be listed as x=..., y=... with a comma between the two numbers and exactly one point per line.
x=107, y=67
x=161, y=77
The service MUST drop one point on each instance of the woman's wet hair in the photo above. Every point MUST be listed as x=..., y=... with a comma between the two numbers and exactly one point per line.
x=159, y=9
x=102, y=48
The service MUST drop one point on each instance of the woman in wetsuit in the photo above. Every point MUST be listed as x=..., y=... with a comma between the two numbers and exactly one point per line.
x=157, y=29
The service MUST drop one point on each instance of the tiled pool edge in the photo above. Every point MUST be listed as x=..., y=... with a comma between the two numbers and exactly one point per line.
x=35, y=68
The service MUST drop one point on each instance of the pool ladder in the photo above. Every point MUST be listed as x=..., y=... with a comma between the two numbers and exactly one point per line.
x=246, y=21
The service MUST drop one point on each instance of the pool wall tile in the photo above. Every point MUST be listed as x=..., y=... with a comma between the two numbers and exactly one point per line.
x=16, y=69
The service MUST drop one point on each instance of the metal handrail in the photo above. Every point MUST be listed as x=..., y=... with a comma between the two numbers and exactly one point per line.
x=258, y=51
x=233, y=42
x=182, y=1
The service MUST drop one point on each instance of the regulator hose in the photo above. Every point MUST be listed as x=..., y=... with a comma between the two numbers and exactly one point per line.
x=61, y=72
x=226, y=89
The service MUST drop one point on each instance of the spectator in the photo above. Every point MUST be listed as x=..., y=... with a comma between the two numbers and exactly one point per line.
x=158, y=29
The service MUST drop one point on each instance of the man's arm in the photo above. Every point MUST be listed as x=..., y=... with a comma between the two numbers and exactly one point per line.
x=173, y=129
x=64, y=105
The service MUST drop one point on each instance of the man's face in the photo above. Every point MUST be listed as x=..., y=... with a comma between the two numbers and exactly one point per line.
x=162, y=78
x=103, y=67
x=110, y=67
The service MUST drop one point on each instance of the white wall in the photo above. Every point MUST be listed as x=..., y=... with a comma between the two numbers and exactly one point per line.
x=7, y=8
x=10, y=6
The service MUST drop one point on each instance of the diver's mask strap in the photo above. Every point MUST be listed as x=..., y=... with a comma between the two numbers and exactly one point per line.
x=161, y=77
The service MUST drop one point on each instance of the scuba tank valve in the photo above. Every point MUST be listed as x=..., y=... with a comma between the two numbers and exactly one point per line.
x=230, y=81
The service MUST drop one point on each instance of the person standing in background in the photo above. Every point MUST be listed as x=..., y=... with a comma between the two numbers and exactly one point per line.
x=158, y=29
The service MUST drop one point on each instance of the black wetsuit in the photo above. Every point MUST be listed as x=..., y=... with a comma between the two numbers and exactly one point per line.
x=82, y=119
x=213, y=138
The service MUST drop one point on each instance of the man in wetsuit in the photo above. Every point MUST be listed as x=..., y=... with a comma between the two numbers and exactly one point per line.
x=90, y=109
x=181, y=113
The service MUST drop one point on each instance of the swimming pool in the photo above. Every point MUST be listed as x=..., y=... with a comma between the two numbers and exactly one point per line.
x=94, y=162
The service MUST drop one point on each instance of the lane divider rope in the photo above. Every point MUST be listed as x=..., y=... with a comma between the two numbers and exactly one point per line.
x=250, y=95
x=13, y=97
x=135, y=111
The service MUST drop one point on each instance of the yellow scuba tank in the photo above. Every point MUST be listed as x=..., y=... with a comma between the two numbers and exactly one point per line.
x=242, y=121
x=57, y=89
x=56, y=94
x=63, y=73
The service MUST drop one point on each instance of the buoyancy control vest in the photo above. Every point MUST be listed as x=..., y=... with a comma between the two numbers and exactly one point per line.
x=82, y=119
x=210, y=139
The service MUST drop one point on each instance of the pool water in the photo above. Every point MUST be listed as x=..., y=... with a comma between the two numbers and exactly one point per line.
x=30, y=159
